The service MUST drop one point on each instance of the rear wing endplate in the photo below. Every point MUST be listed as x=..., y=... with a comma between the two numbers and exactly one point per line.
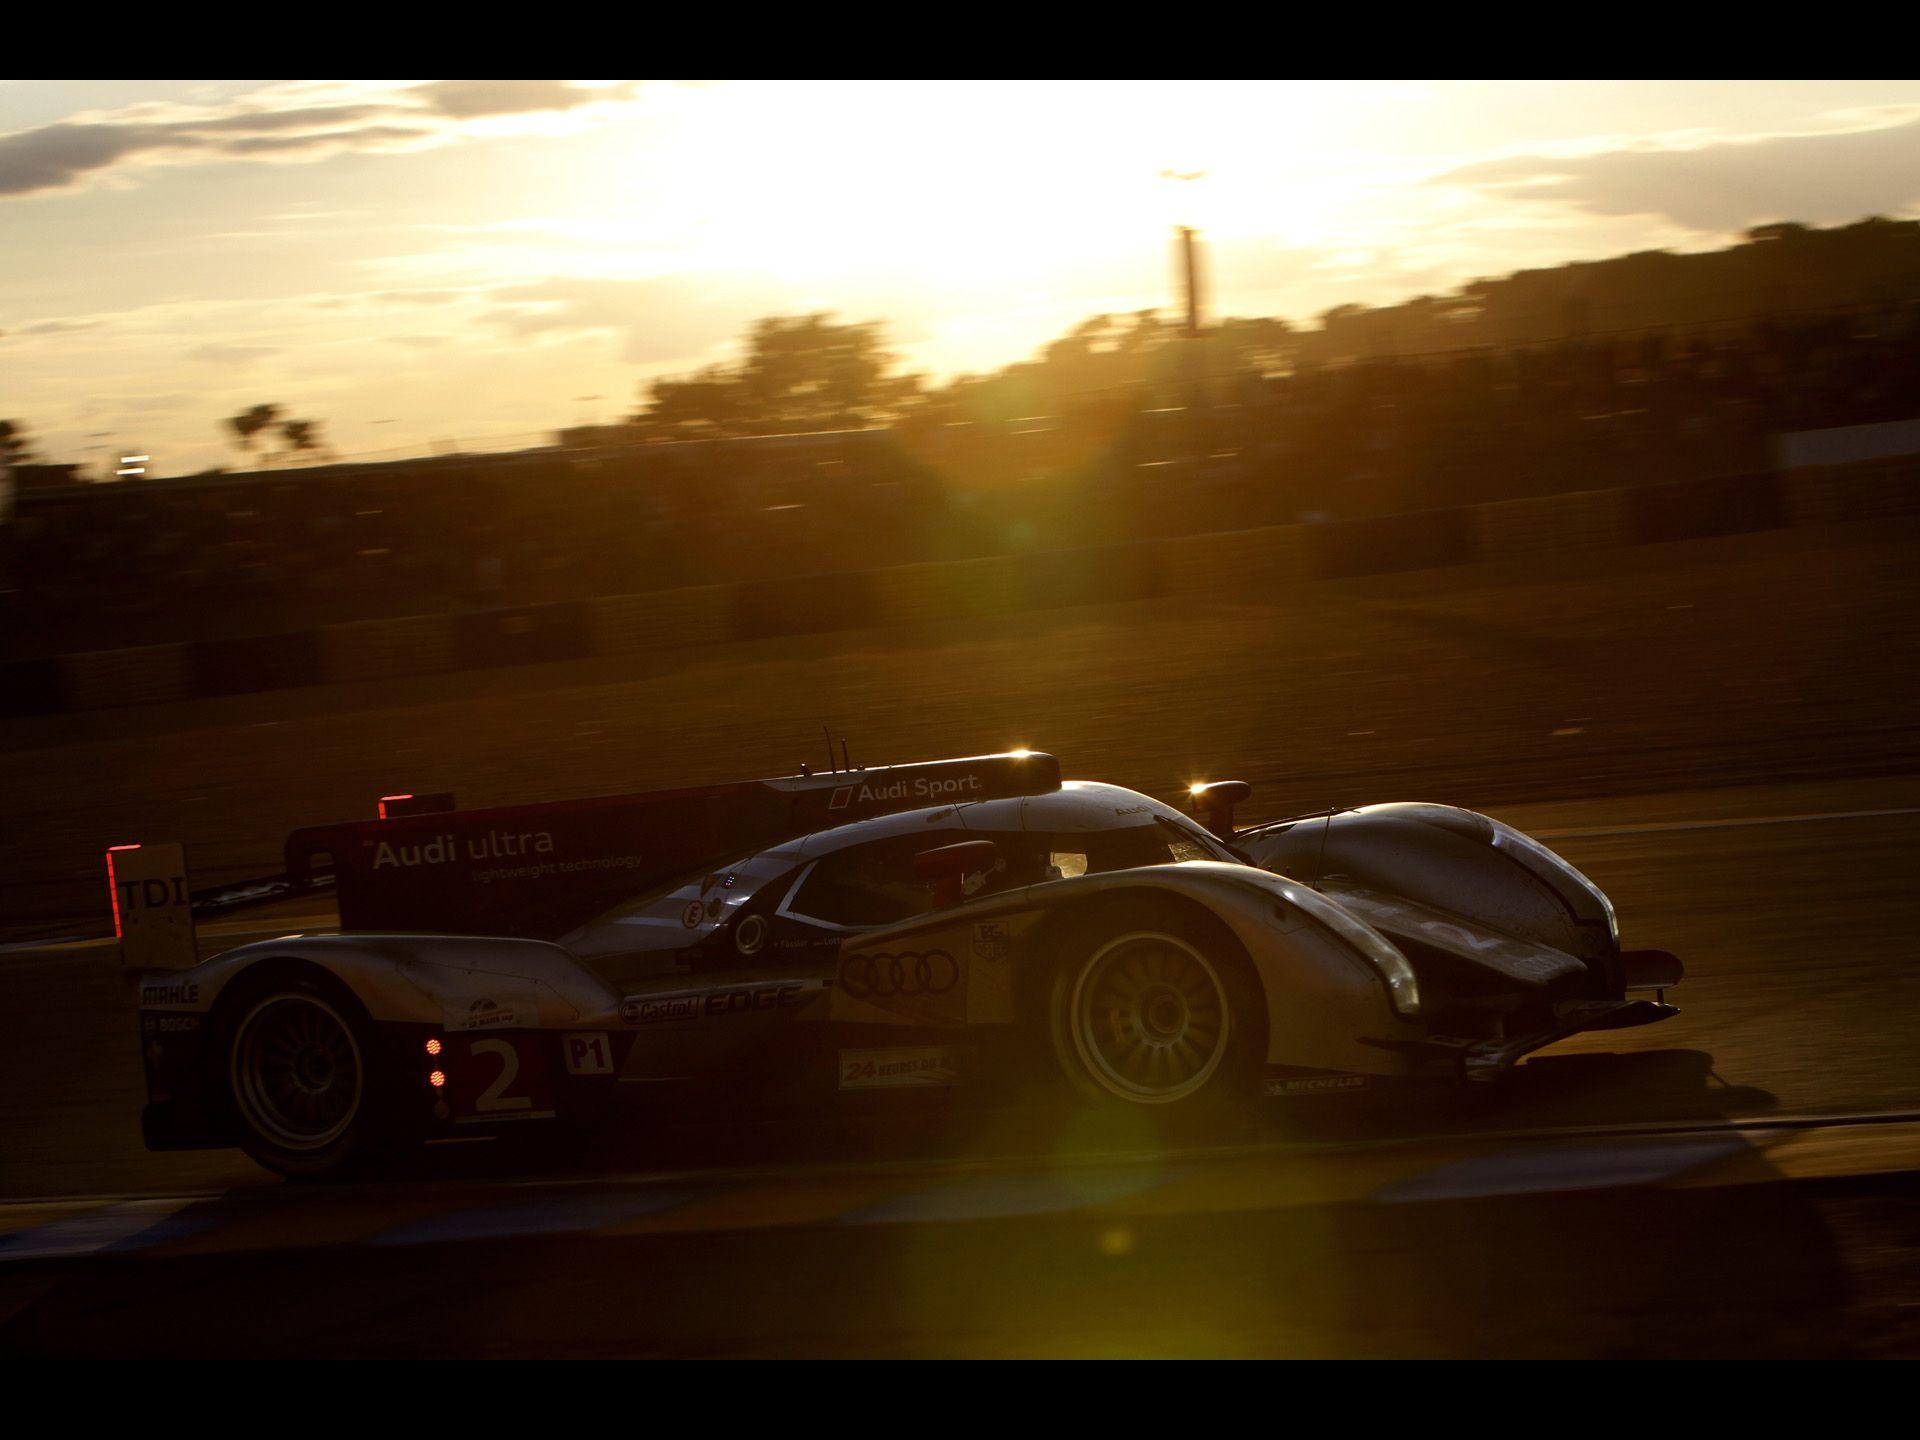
x=152, y=906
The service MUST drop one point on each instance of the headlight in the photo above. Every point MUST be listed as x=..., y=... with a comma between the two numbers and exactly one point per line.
x=1403, y=988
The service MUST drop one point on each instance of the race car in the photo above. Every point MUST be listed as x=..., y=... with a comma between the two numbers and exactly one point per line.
x=811, y=939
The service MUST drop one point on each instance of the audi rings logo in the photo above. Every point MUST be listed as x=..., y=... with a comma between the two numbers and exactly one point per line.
x=750, y=935
x=879, y=974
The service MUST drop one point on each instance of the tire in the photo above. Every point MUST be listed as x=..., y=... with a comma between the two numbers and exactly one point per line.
x=301, y=1075
x=1153, y=1008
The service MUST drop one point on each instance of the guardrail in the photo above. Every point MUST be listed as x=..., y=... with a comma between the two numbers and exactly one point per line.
x=1229, y=564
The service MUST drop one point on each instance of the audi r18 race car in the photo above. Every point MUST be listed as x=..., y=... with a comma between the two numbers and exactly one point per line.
x=972, y=922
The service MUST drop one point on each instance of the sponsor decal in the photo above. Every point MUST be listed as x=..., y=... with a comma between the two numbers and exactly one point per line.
x=750, y=935
x=880, y=974
x=991, y=941
x=925, y=789
x=486, y=1013
x=723, y=1000
x=153, y=894
x=908, y=1068
x=691, y=916
x=169, y=1024
x=1314, y=1084
x=164, y=997
x=444, y=849
x=652, y=1009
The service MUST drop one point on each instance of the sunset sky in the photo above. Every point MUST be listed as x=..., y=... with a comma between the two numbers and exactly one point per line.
x=471, y=260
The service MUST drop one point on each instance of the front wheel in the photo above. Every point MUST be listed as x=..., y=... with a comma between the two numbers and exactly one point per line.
x=1154, y=1012
x=299, y=1066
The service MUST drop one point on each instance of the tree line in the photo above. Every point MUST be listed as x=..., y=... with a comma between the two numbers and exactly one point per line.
x=814, y=372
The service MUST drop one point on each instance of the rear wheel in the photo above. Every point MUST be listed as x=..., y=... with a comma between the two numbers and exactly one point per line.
x=299, y=1070
x=1155, y=1010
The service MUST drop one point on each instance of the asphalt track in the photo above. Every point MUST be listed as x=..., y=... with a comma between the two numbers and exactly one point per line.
x=1739, y=1180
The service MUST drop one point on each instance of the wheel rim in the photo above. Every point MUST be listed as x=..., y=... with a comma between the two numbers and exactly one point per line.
x=297, y=1072
x=1150, y=1018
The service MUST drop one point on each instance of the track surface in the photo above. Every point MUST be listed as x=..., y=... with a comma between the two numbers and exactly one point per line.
x=1709, y=1241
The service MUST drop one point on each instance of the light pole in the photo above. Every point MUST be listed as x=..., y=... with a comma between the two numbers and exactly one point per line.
x=1198, y=438
x=1190, y=268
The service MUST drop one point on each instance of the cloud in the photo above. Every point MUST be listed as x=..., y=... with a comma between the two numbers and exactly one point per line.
x=154, y=404
x=660, y=320
x=58, y=327
x=471, y=99
x=294, y=122
x=1724, y=185
x=441, y=296
x=54, y=156
x=231, y=354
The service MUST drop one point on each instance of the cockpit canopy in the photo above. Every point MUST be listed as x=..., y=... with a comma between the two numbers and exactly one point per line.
x=863, y=874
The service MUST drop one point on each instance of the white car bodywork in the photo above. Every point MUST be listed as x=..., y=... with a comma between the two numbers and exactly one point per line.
x=1323, y=992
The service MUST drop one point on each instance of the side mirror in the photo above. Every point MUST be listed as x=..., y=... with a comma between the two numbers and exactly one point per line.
x=1213, y=804
x=949, y=866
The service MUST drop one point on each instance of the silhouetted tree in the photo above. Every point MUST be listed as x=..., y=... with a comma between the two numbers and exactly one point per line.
x=800, y=373
x=303, y=435
x=1779, y=269
x=709, y=401
x=15, y=447
x=251, y=423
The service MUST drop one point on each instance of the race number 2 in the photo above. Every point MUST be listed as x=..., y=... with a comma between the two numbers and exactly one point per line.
x=501, y=1077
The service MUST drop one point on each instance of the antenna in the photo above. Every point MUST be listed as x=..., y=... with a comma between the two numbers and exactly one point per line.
x=829, y=734
x=846, y=761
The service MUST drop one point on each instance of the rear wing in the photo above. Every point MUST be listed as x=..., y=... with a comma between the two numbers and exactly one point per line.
x=541, y=870
x=154, y=907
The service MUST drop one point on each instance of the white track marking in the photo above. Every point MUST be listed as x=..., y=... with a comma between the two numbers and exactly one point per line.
x=1660, y=826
